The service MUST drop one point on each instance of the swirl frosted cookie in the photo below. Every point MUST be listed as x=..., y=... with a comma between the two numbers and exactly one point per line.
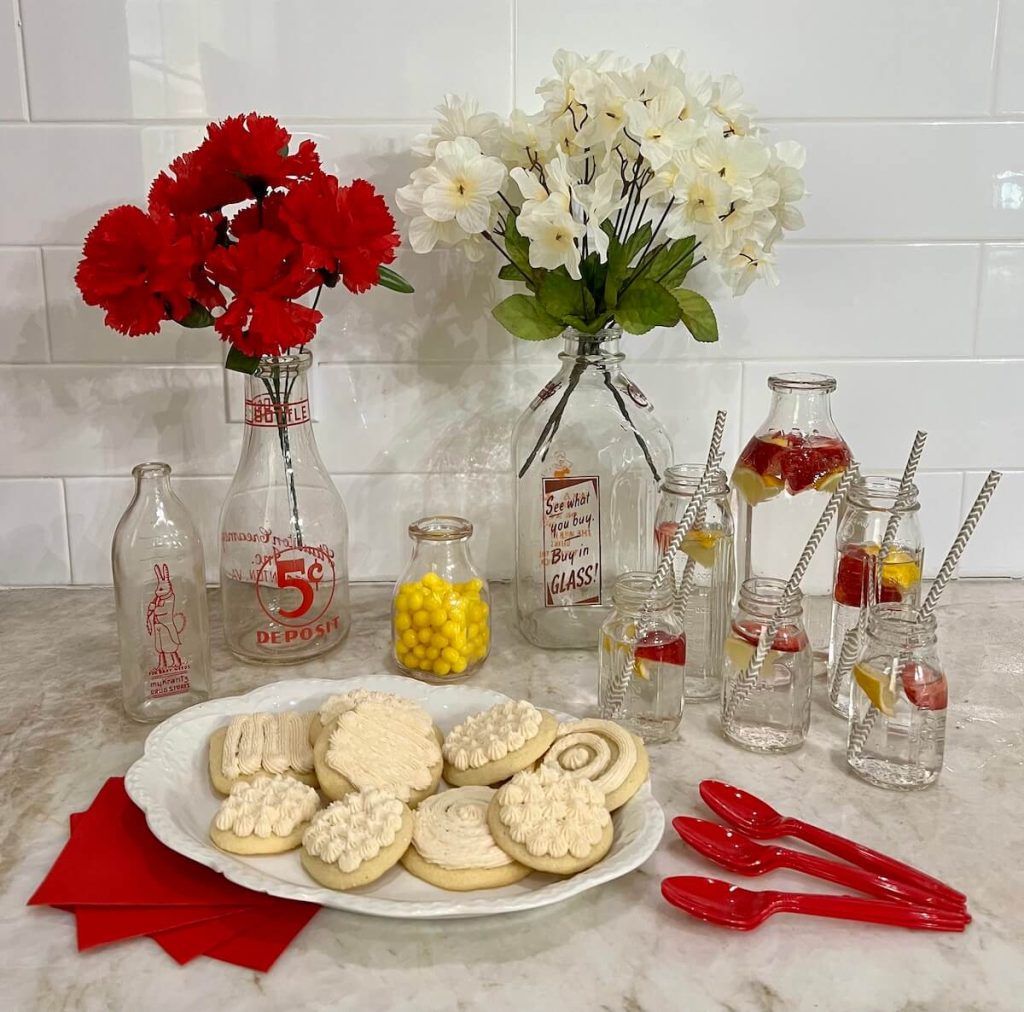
x=452, y=846
x=489, y=747
x=376, y=746
x=551, y=821
x=600, y=751
x=261, y=744
x=334, y=706
x=267, y=815
x=354, y=841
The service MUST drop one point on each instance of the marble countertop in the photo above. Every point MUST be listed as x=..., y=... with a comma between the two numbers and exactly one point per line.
x=619, y=947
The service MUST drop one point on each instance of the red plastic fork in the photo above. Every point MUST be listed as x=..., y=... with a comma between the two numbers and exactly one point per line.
x=731, y=906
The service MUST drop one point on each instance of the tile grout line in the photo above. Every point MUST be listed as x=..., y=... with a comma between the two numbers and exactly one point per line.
x=26, y=106
x=67, y=528
x=46, y=307
x=993, y=97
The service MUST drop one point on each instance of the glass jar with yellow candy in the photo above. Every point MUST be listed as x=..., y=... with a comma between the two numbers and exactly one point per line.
x=440, y=613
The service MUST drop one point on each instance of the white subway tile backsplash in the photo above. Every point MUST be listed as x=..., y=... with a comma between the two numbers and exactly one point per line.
x=33, y=532
x=1001, y=309
x=96, y=504
x=971, y=410
x=162, y=59
x=22, y=307
x=1009, y=83
x=12, y=100
x=996, y=548
x=840, y=60
x=99, y=420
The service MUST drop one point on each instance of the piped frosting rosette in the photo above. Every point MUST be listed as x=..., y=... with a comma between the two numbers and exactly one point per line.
x=600, y=751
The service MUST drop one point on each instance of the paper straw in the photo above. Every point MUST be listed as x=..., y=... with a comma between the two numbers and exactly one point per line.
x=686, y=580
x=746, y=682
x=621, y=676
x=859, y=731
x=851, y=642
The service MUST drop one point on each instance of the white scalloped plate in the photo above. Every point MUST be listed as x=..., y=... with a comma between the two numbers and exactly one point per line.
x=170, y=783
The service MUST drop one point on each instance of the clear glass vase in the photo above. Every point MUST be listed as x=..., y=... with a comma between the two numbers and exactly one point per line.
x=440, y=611
x=160, y=596
x=588, y=455
x=783, y=479
x=283, y=528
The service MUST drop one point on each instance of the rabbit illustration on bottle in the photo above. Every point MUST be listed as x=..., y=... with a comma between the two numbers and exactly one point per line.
x=163, y=623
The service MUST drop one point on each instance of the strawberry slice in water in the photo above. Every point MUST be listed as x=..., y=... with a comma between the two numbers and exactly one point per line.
x=658, y=648
x=925, y=687
x=788, y=640
x=811, y=458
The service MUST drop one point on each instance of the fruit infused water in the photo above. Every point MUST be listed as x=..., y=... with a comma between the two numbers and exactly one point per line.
x=774, y=715
x=783, y=480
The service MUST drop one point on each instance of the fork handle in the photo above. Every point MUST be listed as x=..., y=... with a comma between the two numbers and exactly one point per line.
x=852, y=908
x=872, y=860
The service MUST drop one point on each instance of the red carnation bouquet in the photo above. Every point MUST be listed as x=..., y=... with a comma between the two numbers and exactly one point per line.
x=235, y=234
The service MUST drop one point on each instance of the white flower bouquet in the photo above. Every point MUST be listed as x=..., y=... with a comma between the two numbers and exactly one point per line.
x=603, y=202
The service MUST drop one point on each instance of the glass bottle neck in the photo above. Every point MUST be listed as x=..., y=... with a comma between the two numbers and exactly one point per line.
x=633, y=590
x=801, y=402
x=876, y=493
x=897, y=625
x=601, y=349
x=683, y=479
x=152, y=486
x=760, y=597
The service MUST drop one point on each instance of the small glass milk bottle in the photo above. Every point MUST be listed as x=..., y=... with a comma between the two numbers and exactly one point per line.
x=440, y=611
x=705, y=565
x=783, y=478
x=772, y=712
x=898, y=701
x=283, y=528
x=160, y=597
x=646, y=697
x=869, y=504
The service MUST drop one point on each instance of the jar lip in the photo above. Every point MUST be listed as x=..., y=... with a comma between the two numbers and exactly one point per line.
x=684, y=478
x=441, y=528
x=292, y=361
x=632, y=589
x=151, y=468
x=811, y=381
x=602, y=346
x=766, y=592
x=902, y=618
x=868, y=487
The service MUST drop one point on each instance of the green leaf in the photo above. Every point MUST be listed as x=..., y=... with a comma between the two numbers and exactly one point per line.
x=645, y=305
x=239, y=362
x=672, y=262
x=588, y=326
x=523, y=316
x=393, y=280
x=620, y=256
x=594, y=271
x=509, y=272
x=518, y=249
x=199, y=316
x=561, y=296
x=697, y=315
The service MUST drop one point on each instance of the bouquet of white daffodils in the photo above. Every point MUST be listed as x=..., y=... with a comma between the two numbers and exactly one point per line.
x=603, y=202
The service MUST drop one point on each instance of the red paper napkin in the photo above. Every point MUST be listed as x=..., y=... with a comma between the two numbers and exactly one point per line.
x=121, y=882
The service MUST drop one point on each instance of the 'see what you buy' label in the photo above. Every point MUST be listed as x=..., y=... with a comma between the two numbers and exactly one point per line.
x=572, y=541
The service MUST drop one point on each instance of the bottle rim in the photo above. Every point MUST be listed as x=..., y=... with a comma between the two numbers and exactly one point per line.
x=601, y=347
x=290, y=362
x=901, y=621
x=682, y=479
x=151, y=469
x=882, y=492
x=815, y=382
x=762, y=595
x=631, y=590
x=441, y=528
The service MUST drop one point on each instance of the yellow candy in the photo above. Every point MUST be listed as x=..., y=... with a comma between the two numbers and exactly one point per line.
x=415, y=601
x=439, y=641
x=402, y=621
x=458, y=666
x=426, y=665
x=441, y=668
x=401, y=649
x=433, y=653
x=473, y=630
x=438, y=617
x=431, y=580
x=451, y=655
x=459, y=641
x=407, y=588
x=420, y=619
x=475, y=585
x=402, y=602
x=450, y=630
x=424, y=636
x=409, y=638
x=419, y=651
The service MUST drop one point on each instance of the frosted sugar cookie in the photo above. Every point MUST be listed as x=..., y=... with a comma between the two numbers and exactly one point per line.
x=452, y=846
x=258, y=744
x=266, y=815
x=490, y=746
x=551, y=821
x=604, y=753
x=335, y=706
x=375, y=746
x=355, y=840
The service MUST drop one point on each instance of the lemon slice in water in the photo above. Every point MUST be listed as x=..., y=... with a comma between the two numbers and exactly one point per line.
x=877, y=687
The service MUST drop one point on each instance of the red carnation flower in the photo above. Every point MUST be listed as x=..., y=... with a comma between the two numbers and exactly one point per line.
x=143, y=269
x=242, y=157
x=348, y=230
x=266, y=271
x=266, y=215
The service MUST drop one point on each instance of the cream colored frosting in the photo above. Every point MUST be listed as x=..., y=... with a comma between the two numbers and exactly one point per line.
x=491, y=735
x=598, y=750
x=385, y=747
x=355, y=829
x=267, y=806
x=552, y=813
x=335, y=706
x=272, y=742
x=450, y=830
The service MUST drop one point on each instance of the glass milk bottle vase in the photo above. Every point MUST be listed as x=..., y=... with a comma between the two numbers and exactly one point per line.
x=440, y=612
x=783, y=479
x=705, y=566
x=898, y=701
x=856, y=584
x=160, y=596
x=283, y=528
x=588, y=455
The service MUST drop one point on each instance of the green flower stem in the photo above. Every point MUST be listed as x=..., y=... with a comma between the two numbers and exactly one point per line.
x=554, y=419
x=286, y=452
x=625, y=414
